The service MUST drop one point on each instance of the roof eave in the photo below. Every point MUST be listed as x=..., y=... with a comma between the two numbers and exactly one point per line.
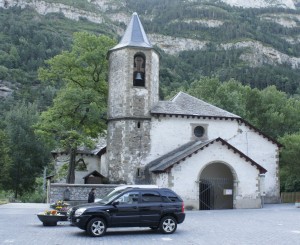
x=194, y=115
x=164, y=168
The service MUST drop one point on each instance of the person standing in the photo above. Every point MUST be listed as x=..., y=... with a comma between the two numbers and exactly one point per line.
x=91, y=197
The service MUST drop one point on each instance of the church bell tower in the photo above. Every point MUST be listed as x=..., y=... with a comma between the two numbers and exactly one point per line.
x=133, y=90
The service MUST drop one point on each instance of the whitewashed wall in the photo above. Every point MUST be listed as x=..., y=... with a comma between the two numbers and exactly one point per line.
x=263, y=152
x=168, y=133
x=104, y=166
x=184, y=177
x=92, y=163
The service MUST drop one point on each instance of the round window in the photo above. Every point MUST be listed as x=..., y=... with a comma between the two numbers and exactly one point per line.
x=199, y=131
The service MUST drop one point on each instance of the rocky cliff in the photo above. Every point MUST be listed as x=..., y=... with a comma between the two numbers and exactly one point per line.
x=290, y=4
x=117, y=15
x=169, y=44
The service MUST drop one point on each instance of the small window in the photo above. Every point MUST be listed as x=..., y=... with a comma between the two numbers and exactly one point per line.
x=151, y=196
x=199, y=131
x=139, y=172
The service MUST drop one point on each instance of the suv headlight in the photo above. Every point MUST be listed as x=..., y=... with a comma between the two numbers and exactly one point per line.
x=79, y=212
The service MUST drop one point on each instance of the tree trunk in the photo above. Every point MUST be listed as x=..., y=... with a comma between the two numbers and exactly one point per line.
x=17, y=181
x=71, y=172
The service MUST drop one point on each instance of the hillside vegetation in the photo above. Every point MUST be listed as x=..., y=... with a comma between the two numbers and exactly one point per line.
x=259, y=47
x=197, y=40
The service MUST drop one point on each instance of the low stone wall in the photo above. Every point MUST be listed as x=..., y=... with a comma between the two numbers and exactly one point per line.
x=77, y=192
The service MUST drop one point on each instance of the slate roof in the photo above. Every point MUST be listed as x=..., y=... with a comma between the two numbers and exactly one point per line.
x=134, y=35
x=94, y=173
x=167, y=161
x=184, y=104
x=100, y=149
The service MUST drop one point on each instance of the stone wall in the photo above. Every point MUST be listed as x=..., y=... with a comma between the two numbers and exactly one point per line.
x=129, y=119
x=77, y=192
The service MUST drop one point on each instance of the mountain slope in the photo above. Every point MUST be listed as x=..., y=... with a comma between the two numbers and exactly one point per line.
x=255, y=41
x=261, y=3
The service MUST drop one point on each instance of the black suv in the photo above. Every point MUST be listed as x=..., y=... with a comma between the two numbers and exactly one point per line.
x=157, y=208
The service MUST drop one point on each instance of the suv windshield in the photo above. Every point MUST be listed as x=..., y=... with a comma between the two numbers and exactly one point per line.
x=111, y=196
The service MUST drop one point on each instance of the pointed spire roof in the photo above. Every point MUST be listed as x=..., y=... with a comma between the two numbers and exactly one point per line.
x=134, y=35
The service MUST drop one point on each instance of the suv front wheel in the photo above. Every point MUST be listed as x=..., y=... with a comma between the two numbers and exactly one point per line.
x=96, y=227
x=168, y=225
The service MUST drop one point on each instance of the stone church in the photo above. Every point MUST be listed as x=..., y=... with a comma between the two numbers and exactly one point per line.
x=212, y=158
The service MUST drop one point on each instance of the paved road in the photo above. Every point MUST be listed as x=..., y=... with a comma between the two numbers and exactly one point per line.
x=274, y=224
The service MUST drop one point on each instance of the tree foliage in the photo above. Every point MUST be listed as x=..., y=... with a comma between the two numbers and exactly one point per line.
x=270, y=110
x=5, y=161
x=290, y=163
x=27, y=39
x=27, y=153
x=77, y=113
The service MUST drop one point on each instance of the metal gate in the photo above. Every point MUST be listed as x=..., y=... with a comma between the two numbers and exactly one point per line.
x=213, y=193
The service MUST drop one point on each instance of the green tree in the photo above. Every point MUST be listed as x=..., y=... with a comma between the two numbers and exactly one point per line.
x=77, y=114
x=279, y=114
x=28, y=154
x=271, y=110
x=290, y=163
x=5, y=161
x=205, y=89
x=231, y=96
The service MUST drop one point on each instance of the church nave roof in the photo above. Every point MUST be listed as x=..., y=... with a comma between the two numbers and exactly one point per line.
x=184, y=104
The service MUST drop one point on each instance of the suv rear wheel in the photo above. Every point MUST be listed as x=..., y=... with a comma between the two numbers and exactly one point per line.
x=96, y=227
x=168, y=225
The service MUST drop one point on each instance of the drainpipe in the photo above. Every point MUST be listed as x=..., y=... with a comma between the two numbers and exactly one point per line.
x=262, y=188
x=235, y=192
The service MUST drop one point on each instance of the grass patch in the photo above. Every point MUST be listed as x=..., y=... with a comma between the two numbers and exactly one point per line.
x=3, y=201
x=5, y=196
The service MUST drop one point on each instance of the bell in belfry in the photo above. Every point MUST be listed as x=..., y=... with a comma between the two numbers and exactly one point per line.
x=138, y=77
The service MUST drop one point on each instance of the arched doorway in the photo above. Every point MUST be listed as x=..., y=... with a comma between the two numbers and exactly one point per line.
x=216, y=187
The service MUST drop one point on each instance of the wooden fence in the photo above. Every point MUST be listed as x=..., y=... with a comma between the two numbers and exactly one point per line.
x=290, y=197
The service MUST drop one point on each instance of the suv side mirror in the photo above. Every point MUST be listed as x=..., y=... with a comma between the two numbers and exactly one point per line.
x=115, y=203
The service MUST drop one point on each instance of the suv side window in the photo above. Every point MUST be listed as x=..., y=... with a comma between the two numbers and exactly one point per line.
x=151, y=196
x=169, y=196
x=128, y=198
